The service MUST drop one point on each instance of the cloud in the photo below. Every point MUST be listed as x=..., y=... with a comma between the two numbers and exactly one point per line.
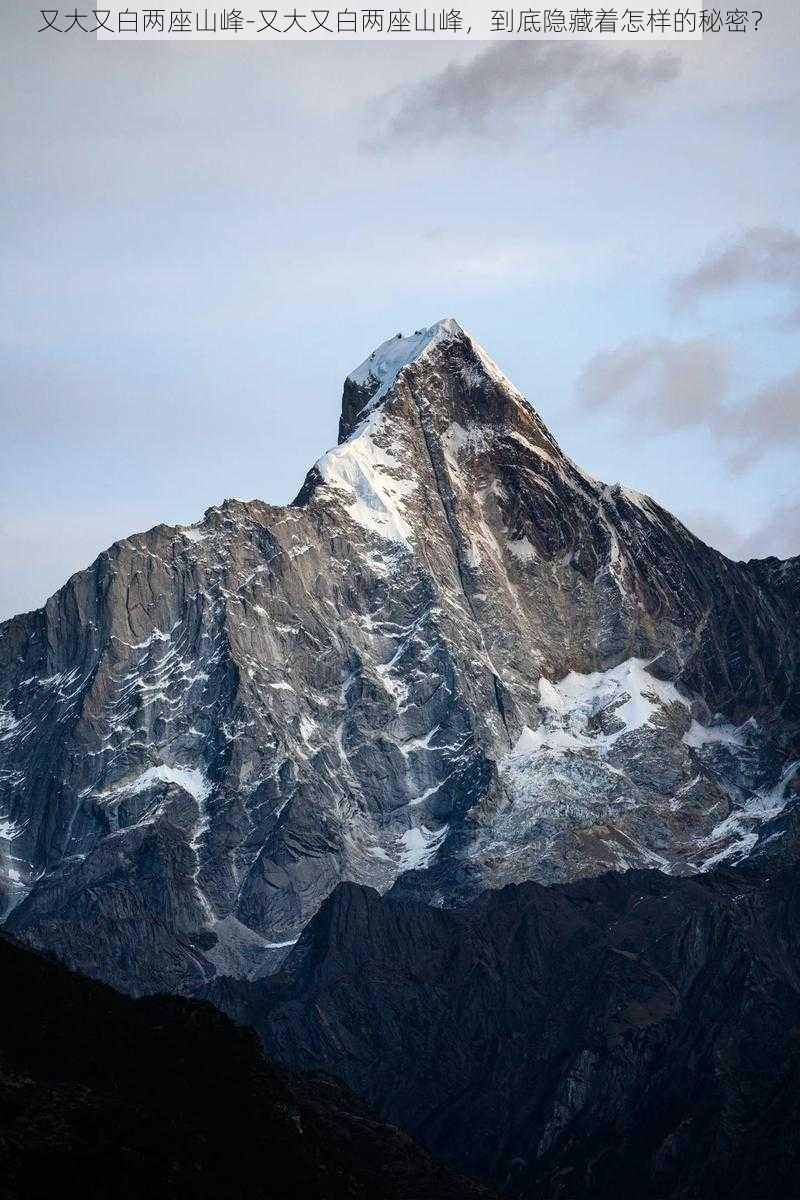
x=490, y=94
x=680, y=385
x=675, y=385
x=764, y=256
x=771, y=418
x=778, y=535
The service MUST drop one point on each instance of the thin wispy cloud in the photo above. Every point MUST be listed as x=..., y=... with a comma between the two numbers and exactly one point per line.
x=764, y=256
x=673, y=385
x=780, y=533
x=494, y=93
x=769, y=420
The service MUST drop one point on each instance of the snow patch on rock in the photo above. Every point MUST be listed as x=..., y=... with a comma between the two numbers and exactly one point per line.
x=367, y=470
x=522, y=549
x=419, y=847
x=190, y=779
x=739, y=832
x=628, y=693
x=699, y=735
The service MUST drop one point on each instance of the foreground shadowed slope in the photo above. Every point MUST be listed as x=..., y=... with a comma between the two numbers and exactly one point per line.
x=165, y=1097
x=634, y=1035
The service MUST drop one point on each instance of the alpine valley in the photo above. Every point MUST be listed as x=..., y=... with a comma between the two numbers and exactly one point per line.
x=465, y=776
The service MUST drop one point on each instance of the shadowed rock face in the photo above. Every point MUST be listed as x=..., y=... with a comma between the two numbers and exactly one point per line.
x=632, y=1034
x=165, y=1097
x=456, y=660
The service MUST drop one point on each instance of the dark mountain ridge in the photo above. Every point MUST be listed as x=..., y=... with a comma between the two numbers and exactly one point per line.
x=166, y=1097
x=634, y=1034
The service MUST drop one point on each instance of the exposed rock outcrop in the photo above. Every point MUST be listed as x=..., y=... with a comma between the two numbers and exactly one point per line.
x=634, y=1034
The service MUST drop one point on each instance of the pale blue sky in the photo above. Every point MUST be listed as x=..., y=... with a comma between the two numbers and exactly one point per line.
x=200, y=241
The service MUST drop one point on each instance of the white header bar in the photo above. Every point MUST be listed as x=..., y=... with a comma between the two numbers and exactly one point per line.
x=467, y=20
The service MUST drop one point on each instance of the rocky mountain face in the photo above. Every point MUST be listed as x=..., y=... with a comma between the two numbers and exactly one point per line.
x=634, y=1034
x=455, y=662
x=165, y=1097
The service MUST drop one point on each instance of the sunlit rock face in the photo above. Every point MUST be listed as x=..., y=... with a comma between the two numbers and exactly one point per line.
x=455, y=661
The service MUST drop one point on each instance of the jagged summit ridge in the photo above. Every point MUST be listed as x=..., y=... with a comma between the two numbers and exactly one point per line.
x=370, y=383
x=394, y=433
x=367, y=384
x=380, y=368
x=208, y=729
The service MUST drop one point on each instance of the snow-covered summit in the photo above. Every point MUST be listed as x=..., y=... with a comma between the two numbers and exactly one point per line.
x=464, y=402
x=367, y=466
x=447, y=351
x=379, y=369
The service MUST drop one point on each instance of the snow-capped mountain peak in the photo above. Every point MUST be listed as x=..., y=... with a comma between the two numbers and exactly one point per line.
x=445, y=349
x=376, y=374
x=455, y=661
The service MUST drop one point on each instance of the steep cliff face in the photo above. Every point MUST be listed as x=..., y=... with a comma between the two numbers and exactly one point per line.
x=633, y=1034
x=455, y=661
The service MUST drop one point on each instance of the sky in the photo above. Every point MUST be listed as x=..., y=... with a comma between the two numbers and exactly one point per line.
x=200, y=241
